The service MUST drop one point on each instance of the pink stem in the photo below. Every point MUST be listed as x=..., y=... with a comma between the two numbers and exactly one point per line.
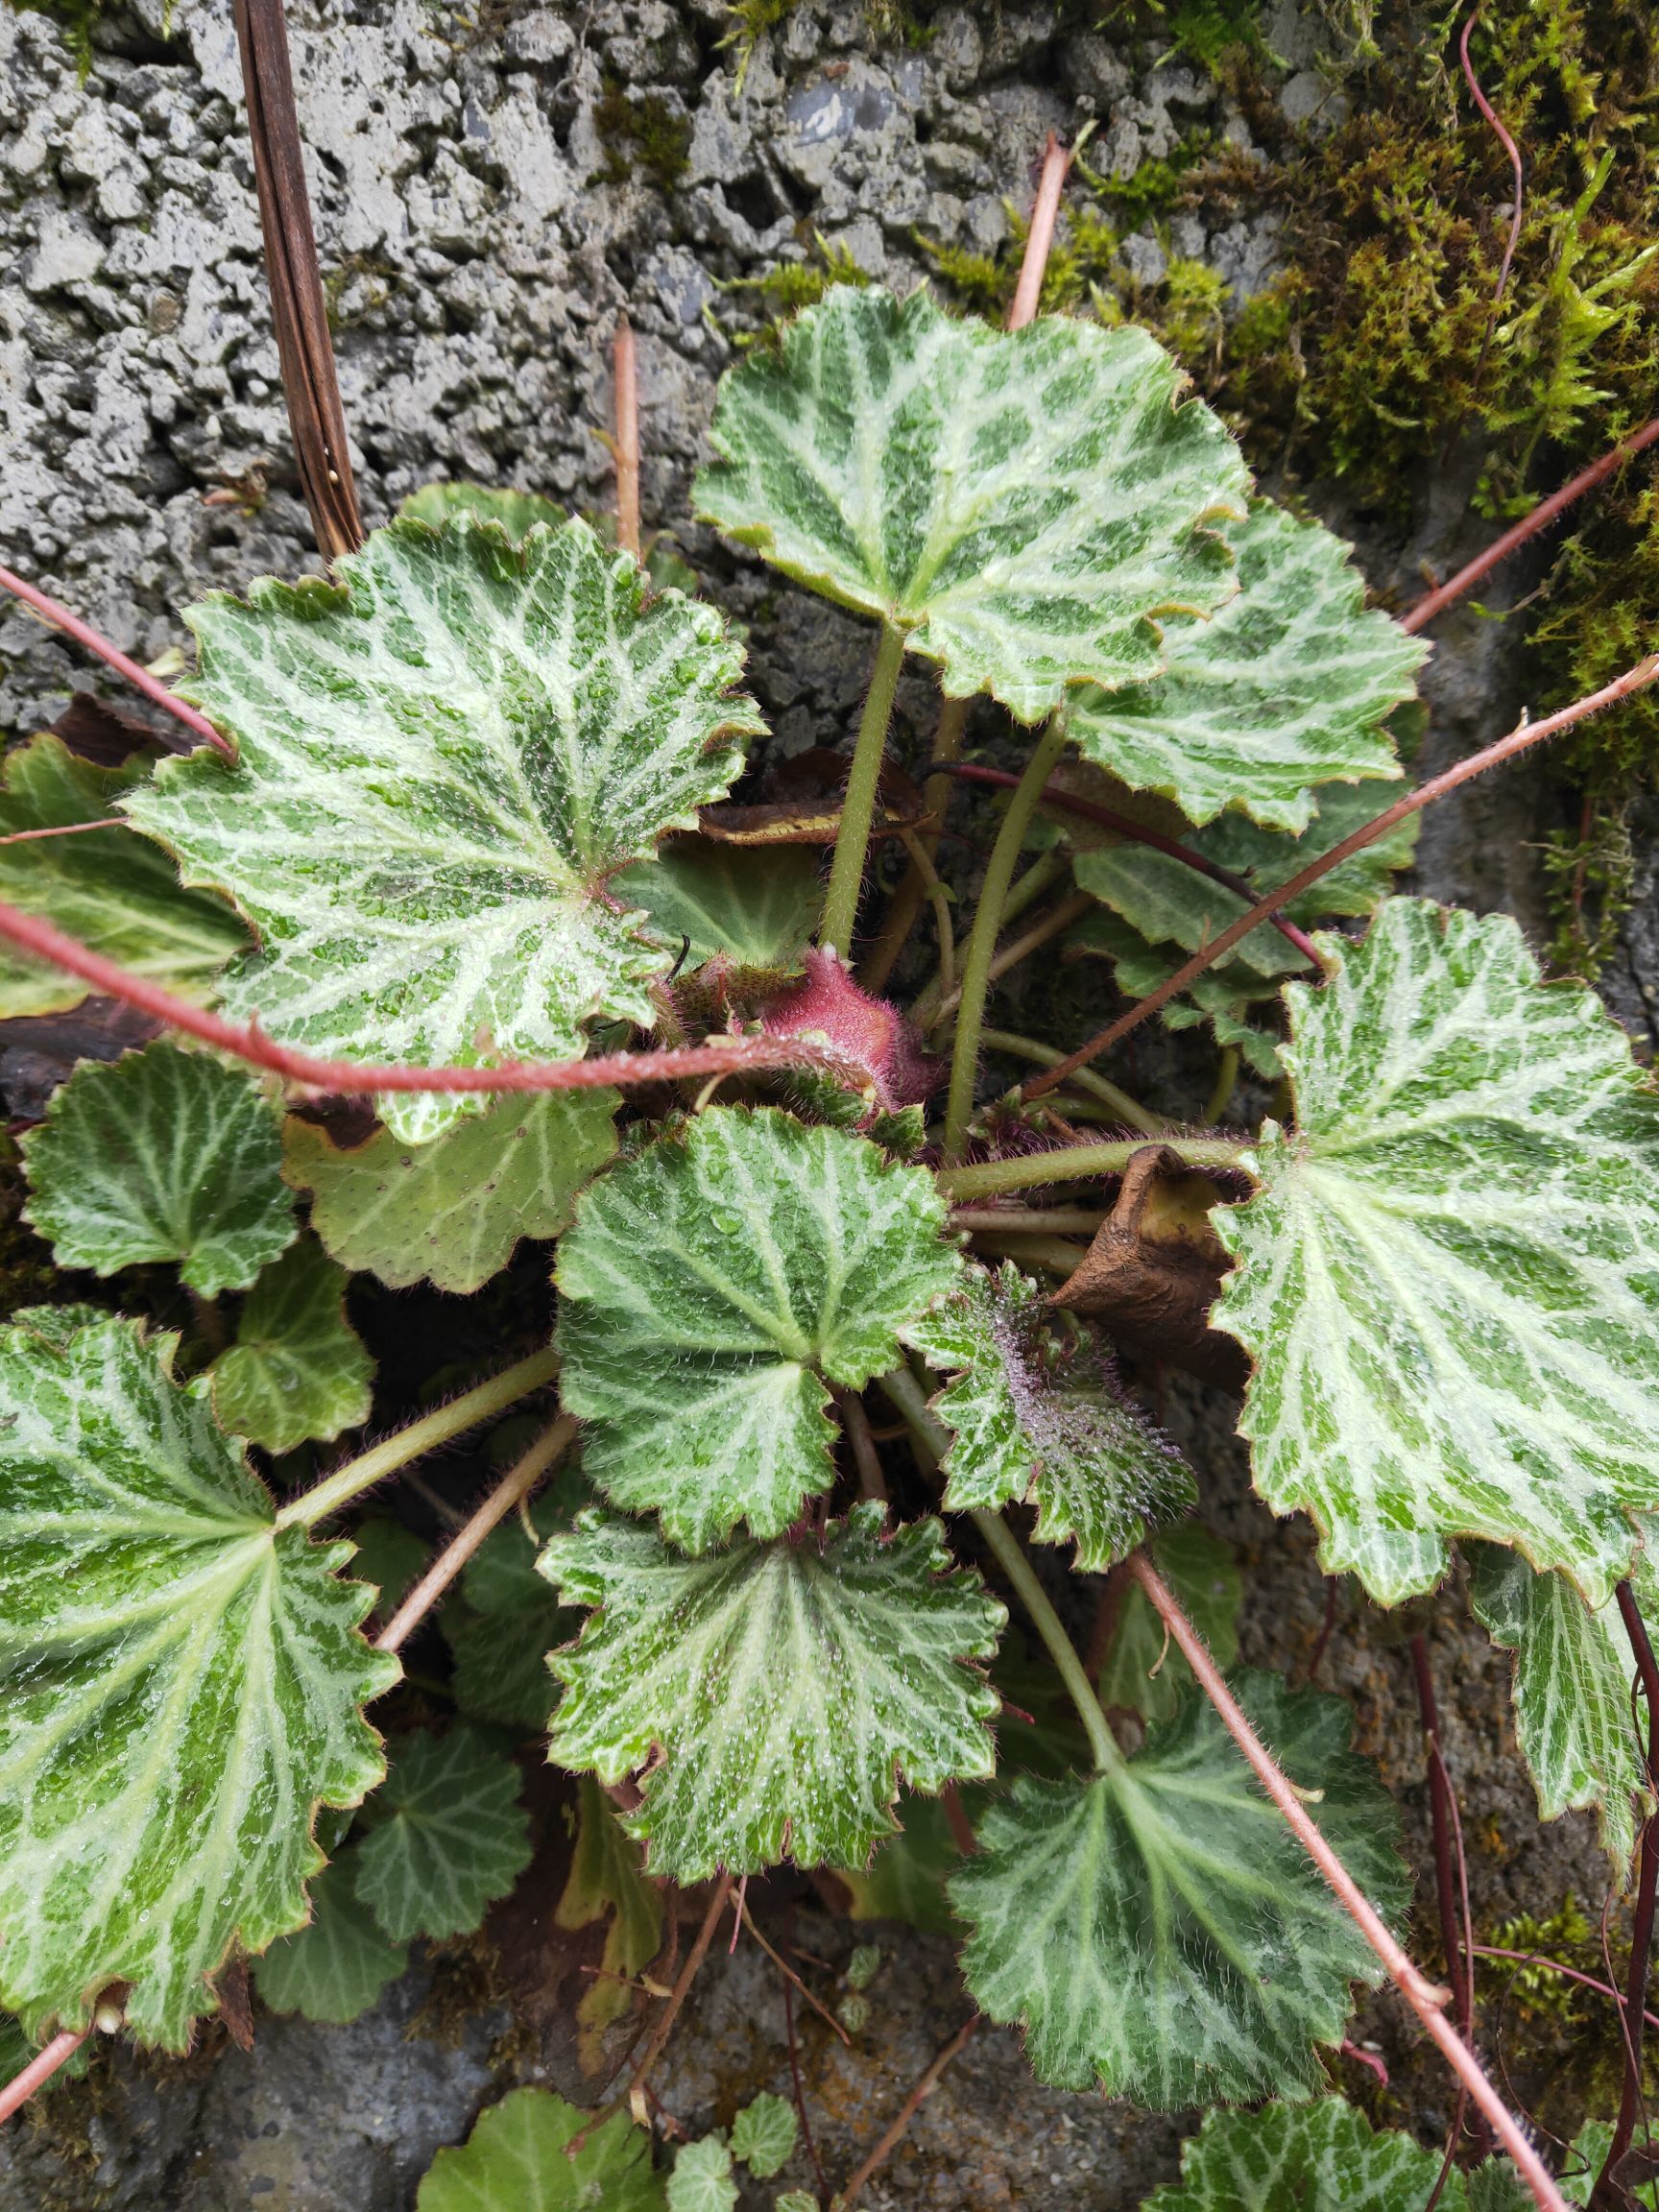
x=72, y=626
x=1418, y=1992
x=1040, y=238
x=1514, y=153
x=39, y=2069
x=717, y=1056
x=65, y=829
x=1518, y=740
x=627, y=440
x=1557, y=1966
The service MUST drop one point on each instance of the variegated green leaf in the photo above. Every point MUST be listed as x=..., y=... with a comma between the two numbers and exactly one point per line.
x=446, y=1836
x=516, y=2160
x=1320, y=2157
x=1285, y=688
x=298, y=1367
x=1035, y=1416
x=452, y=1211
x=1157, y=1927
x=1144, y=1672
x=769, y=1695
x=1450, y=1277
x=702, y=2180
x=763, y=2134
x=162, y=1155
x=1573, y=1668
x=339, y=1963
x=109, y=888
x=711, y=1289
x=441, y=759
x=756, y=905
x=180, y=1685
x=1026, y=507
x=1583, y=2166
x=507, y=1619
x=516, y=513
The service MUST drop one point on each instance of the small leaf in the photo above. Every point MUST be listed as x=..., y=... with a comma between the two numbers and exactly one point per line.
x=763, y=2134
x=509, y=1619
x=448, y=1836
x=452, y=1211
x=336, y=1968
x=180, y=1685
x=773, y=1692
x=298, y=1367
x=442, y=758
x=162, y=1155
x=1026, y=507
x=1450, y=1277
x=1286, y=687
x=702, y=2178
x=754, y=906
x=1160, y=1928
x=794, y=2201
x=109, y=888
x=516, y=513
x=1036, y=1416
x=1574, y=1669
x=606, y=1883
x=1320, y=2157
x=711, y=1286
x=1144, y=1672
x=515, y=2160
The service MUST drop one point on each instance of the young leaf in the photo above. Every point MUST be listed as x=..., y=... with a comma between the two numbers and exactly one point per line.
x=109, y=888
x=764, y=2135
x=1026, y=507
x=702, y=2180
x=1287, y=687
x=1036, y=1417
x=162, y=1155
x=338, y=1964
x=1160, y=1928
x=449, y=1835
x=769, y=1695
x=606, y=1884
x=452, y=1211
x=180, y=1685
x=1320, y=2158
x=441, y=760
x=1573, y=1668
x=1144, y=1672
x=298, y=1367
x=515, y=2158
x=711, y=1286
x=508, y=1619
x=516, y=513
x=1450, y=1277
x=756, y=906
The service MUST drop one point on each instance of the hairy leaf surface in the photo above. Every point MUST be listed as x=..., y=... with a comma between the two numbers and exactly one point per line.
x=702, y=2180
x=298, y=1367
x=1026, y=507
x=448, y=1836
x=516, y=2157
x=756, y=905
x=1287, y=687
x=452, y=1211
x=1324, y=2156
x=1144, y=1672
x=785, y=1686
x=1035, y=1416
x=180, y=1685
x=711, y=1286
x=163, y=1154
x=338, y=1964
x=1449, y=1278
x=1161, y=1930
x=441, y=759
x=516, y=513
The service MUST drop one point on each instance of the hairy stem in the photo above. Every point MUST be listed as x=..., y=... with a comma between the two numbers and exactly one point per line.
x=519, y=1481
x=1030, y=1220
x=939, y=898
x=1418, y=1992
x=627, y=380
x=439, y=1427
x=39, y=2069
x=938, y=1002
x=855, y=1427
x=1131, y=1113
x=1226, y=1083
x=113, y=656
x=982, y=938
x=1642, y=1926
x=1040, y=238
x=880, y=960
x=1071, y=1163
x=894, y=2134
x=859, y=807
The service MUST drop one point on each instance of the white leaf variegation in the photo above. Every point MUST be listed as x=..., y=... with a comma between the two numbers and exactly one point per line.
x=1026, y=507
x=180, y=1685
x=1035, y=1416
x=441, y=759
x=713, y=1287
x=298, y=1368
x=1156, y=1928
x=1324, y=2156
x=1448, y=1281
x=770, y=1696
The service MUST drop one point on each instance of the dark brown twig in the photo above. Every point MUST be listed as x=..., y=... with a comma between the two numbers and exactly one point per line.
x=670, y=2013
x=800, y=2087
x=1630, y=2103
x=746, y=1919
x=1442, y=1815
x=894, y=2135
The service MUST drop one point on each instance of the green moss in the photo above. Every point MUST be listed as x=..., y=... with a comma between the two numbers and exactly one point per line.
x=648, y=134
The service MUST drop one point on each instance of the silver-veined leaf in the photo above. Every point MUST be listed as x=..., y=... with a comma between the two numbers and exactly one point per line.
x=298, y=1368
x=446, y=1836
x=452, y=1211
x=1158, y=1928
x=710, y=1290
x=1449, y=1280
x=1287, y=687
x=702, y=2180
x=1324, y=2156
x=769, y=1695
x=180, y=1687
x=516, y=513
x=339, y=1963
x=763, y=2134
x=756, y=905
x=442, y=758
x=1144, y=1672
x=163, y=1154
x=515, y=2159
x=1035, y=1416
x=507, y=1619
x=1025, y=506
